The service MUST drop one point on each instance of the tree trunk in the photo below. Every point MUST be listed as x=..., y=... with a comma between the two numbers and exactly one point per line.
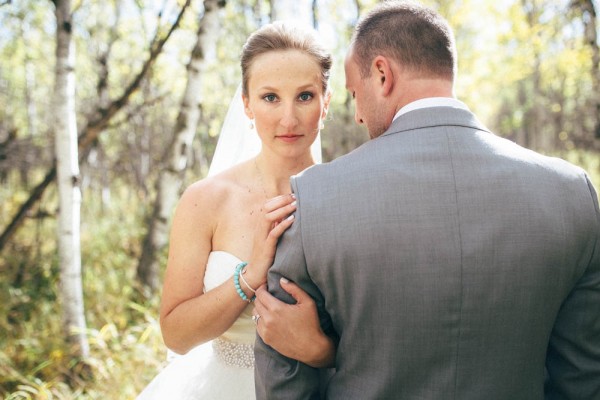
x=67, y=165
x=95, y=161
x=30, y=104
x=523, y=134
x=540, y=138
x=359, y=8
x=590, y=18
x=170, y=180
x=93, y=128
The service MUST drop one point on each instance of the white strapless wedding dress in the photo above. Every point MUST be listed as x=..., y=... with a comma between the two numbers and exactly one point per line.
x=222, y=369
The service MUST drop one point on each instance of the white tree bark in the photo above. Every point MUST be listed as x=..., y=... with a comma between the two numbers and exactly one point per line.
x=170, y=179
x=592, y=38
x=65, y=130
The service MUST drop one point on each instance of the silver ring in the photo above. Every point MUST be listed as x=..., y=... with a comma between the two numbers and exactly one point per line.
x=255, y=318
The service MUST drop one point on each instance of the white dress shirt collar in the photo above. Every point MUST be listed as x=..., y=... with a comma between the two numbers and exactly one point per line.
x=431, y=102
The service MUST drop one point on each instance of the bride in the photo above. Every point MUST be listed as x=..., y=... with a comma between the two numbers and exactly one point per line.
x=226, y=226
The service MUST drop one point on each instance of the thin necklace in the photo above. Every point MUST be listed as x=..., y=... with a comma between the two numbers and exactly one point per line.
x=260, y=178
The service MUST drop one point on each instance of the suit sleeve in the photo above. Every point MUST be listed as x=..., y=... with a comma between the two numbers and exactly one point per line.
x=573, y=357
x=276, y=376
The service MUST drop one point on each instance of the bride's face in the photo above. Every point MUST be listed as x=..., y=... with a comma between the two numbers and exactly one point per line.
x=286, y=101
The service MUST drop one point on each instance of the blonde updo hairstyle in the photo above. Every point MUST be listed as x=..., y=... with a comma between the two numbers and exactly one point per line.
x=278, y=36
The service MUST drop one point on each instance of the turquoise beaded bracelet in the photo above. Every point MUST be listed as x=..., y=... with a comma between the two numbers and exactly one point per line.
x=236, y=282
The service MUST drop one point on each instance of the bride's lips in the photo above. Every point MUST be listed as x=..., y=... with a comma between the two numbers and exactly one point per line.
x=289, y=138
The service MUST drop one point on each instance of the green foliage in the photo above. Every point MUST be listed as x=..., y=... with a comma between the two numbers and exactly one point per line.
x=524, y=69
x=125, y=344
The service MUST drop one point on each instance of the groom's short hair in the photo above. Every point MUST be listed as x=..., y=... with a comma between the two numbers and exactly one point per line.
x=413, y=35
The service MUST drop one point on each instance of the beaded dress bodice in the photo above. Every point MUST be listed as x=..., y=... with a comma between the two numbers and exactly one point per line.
x=235, y=346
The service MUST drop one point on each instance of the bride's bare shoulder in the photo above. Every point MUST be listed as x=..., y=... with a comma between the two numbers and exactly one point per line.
x=214, y=191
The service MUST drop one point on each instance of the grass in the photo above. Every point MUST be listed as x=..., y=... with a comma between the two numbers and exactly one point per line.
x=126, y=348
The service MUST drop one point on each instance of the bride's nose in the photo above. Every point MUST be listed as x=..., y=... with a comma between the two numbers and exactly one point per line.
x=289, y=117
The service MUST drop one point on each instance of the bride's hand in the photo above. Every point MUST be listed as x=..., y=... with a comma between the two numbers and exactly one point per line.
x=277, y=217
x=293, y=329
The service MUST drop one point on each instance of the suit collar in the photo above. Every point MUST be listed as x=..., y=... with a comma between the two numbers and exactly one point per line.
x=431, y=102
x=432, y=117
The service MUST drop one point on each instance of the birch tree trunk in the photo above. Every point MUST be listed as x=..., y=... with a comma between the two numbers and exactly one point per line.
x=170, y=180
x=65, y=131
x=94, y=127
x=590, y=17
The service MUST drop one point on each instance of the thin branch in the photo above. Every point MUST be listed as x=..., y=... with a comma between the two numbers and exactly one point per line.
x=136, y=110
x=94, y=127
x=92, y=130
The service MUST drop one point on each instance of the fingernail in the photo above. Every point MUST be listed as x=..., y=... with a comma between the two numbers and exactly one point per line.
x=290, y=217
x=294, y=203
x=284, y=280
x=293, y=196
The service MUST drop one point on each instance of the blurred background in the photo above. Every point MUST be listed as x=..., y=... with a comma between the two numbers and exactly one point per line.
x=129, y=96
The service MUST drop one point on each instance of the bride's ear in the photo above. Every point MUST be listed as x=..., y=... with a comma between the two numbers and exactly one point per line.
x=247, y=109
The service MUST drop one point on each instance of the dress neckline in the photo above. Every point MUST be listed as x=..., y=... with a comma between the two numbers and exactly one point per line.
x=226, y=253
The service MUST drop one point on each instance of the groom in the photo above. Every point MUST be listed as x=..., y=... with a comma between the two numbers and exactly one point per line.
x=449, y=262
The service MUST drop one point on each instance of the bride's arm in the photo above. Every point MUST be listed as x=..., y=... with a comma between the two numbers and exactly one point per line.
x=188, y=316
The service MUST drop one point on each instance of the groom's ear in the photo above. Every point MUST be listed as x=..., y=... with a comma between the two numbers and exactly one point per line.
x=384, y=75
x=247, y=109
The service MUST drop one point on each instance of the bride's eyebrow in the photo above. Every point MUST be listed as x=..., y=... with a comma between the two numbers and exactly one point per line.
x=267, y=89
x=299, y=88
x=307, y=86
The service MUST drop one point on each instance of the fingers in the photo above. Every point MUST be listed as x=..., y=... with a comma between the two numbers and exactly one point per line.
x=277, y=230
x=264, y=300
x=295, y=291
x=260, y=309
x=262, y=296
x=276, y=219
x=279, y=201
x=268, y=305
x=279, y=208
x=290, y=329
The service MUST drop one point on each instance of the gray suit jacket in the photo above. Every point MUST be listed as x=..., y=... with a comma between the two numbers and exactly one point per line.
x=450, y=263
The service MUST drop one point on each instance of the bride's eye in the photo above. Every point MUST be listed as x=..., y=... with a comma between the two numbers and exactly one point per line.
x=306, y=96
x=270, y=98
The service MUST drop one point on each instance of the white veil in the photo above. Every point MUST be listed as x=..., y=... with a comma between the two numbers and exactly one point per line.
x=238, y=142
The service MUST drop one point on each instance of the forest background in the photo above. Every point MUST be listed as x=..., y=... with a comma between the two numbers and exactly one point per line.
x=110, y=116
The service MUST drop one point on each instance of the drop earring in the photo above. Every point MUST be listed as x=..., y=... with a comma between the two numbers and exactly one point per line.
x=321, y=124
x=251, y=126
